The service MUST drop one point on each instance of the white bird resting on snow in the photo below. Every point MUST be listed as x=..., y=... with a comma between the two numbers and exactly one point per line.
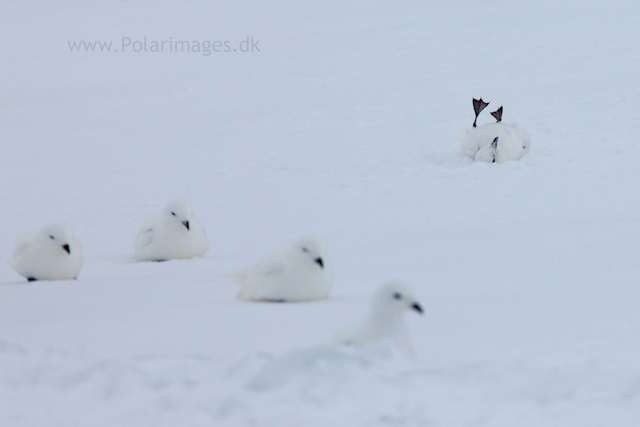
x=175, y=234
x=50, y=253
x=493, y=142
x=298, y=273
x=384, y=320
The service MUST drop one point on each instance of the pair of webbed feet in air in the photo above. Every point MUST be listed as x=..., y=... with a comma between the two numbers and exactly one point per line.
x=479, y=105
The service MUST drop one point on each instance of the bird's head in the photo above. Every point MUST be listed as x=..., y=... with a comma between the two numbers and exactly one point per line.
x=57, y=235
x=179, y=213
x=311, y=251
x=396, y=298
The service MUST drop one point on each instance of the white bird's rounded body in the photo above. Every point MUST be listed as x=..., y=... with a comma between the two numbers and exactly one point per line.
x=513, y=141
x=167, y=237
x=41, y=254
x=385, y=320
x=290, y=275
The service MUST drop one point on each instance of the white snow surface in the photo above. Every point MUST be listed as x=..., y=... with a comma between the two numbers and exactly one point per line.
x=527, y=271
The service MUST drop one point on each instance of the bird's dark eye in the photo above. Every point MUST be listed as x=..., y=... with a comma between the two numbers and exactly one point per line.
x=51, y=237
x=397, y=295
x=173, y=213
x=305, y=250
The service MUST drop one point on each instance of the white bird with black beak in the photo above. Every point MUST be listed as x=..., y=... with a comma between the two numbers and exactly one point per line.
x=298, y=273
x=51, y=253
x=492, y=153
x=385, y=319
x=175, y=234
x=500, y=141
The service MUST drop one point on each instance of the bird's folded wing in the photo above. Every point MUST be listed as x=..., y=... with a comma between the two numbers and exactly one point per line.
x=23, y=242
x=272, y=268
x=20, y=248
x=145, y=237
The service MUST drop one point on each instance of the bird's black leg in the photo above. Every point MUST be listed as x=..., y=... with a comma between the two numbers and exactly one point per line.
x=478, y=106
x=498, y=114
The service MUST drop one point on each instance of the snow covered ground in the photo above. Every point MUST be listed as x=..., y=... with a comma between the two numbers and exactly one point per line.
x=528, y=271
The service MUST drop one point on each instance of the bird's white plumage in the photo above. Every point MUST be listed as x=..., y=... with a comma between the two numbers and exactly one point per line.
x=49, y=253
x=513, y=141
x=385, y=319
x=175, y=234
x=298, y=273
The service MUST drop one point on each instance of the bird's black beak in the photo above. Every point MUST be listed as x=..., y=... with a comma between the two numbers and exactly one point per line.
x=494, y=146
x=416, y=307
x=319, y=262
x=186, y=224
x=67, y=248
